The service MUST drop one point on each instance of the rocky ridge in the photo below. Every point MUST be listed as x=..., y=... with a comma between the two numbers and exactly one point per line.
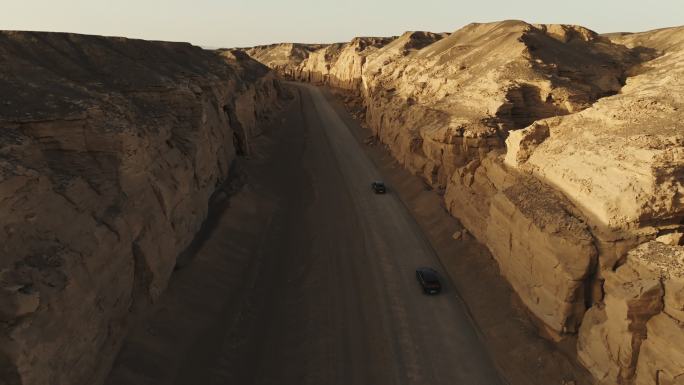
x=284, y=58
x=110, y=151
x=558, y=148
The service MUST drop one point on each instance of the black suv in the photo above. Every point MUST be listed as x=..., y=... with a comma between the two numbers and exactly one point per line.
x=429, y=280
x=378, y=187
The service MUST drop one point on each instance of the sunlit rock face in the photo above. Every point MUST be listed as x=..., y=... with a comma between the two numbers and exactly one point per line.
x=110, y=150
x=560, y=149
x=285, y=57
x=631, y=336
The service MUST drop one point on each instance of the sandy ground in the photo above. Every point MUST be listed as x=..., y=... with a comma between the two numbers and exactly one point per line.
x=306, y=277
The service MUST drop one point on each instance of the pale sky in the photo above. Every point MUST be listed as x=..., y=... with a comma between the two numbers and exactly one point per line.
x=231, y=23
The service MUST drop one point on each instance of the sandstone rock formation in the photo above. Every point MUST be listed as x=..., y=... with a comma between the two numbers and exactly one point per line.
x=612, y=331
x=558, y=148
x=544, y=252
x=110, y=151
x=660, y=358
x=285, y=57
x=639, y=321
x=444, y=102
x=630, y=184
x=340, y=65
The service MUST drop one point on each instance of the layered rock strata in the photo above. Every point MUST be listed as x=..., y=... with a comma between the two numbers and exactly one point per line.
x=110, y=150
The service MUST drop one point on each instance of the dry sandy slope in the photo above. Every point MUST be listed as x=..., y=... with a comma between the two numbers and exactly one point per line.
x=110, y=150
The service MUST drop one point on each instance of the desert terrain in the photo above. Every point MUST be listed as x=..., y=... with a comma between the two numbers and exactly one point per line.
x=560, y=150
x=176, y=215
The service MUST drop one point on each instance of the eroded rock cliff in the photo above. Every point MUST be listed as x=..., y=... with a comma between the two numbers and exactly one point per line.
x=110, y=150
x=558, y=148
x=633, y=333
x=284, y=57
x=627, y=153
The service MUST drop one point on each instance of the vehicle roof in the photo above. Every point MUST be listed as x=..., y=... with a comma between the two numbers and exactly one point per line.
x=425, y=268
x=428, y=272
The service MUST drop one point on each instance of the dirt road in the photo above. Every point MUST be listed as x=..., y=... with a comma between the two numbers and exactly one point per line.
x=308, y=278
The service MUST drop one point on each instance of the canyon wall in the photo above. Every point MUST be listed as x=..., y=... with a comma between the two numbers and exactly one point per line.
x=110, y=151
x=561, y=150
x=625, y=169
x=284, y=58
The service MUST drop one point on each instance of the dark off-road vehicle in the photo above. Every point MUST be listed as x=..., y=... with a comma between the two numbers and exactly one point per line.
x=429, y=280
x=379, y=187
